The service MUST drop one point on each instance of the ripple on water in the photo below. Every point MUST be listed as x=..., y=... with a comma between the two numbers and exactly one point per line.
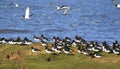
x=98, y=20
x=13, y=31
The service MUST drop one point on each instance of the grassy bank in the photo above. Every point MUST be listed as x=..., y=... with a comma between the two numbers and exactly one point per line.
x=21, y=57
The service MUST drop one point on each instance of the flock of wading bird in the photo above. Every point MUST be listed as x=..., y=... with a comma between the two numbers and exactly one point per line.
x=66, y=45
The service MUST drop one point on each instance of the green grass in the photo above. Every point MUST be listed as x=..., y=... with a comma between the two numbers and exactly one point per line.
x=21, y=57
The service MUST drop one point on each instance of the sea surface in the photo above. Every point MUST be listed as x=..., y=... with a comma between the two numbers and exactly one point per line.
x=94, y=20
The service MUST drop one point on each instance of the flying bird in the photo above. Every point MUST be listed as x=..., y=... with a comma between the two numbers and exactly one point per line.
x=63, y=8
x=27, y=13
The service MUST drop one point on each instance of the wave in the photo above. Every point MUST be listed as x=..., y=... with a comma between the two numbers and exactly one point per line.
x=13, y=31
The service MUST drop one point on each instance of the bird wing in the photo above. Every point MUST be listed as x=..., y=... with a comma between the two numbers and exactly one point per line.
x=65, y=10
x=27, y=12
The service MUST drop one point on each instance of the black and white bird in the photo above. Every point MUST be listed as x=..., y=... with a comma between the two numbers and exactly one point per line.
x=74, y=44
x=95, y=49
x=79, y=50
x=77, y=39
x=48, y=50
x=3, y=40
x=97, y=45
x=64, y=8
x=43, y=43
x=19, y=40
x=85, y=51
x=35, y=49
x=67, y=39
x=59, y=44
x=27, y=41
x=116, y=49
x=43, y=38
x=107, y=50
x=66, y=49
x=56, y=49
x=116, y=44
x=91, y=44
x=106, y=47
x=54, y=39
x=117, y=5
x=11, y=41
x=36, y=38
x=97, y=55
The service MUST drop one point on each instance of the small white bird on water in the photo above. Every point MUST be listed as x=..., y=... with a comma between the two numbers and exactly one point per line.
x=27, y=13
x=14, y=4
x=64, y=8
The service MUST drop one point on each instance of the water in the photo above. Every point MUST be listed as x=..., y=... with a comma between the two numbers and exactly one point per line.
x=96, y=20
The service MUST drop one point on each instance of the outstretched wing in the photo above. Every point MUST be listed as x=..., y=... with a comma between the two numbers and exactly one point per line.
x=27, y=12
